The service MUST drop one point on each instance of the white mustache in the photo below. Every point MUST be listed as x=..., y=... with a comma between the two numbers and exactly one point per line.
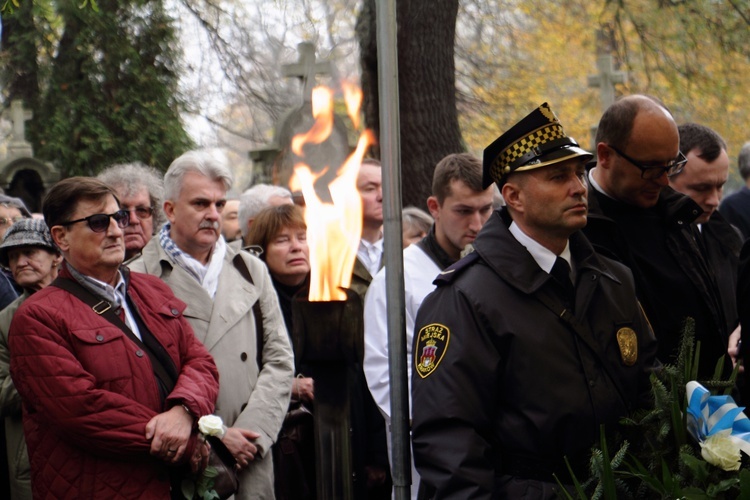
x=209, y=225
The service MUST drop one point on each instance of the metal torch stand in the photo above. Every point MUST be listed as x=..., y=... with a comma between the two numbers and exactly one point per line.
x=328, y=339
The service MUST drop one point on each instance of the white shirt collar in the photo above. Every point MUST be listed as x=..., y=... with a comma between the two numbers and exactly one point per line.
x=370, y=254
x=543, y=256
x=595, y=185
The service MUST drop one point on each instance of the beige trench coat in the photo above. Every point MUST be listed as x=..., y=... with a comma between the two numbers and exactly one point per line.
x=248, y=398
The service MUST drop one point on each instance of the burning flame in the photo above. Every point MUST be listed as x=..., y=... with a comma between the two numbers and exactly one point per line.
x=333, y=229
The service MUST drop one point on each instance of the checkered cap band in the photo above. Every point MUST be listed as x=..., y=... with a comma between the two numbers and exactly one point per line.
x=540, y=136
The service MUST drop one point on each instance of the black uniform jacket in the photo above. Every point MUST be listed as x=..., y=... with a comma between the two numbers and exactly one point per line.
x=503, y=387
x=676, y=274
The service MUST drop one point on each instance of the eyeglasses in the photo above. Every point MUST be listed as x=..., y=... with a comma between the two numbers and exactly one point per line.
x=100, y=222
x=653, y=172
x=7, y=221
x=140, y=212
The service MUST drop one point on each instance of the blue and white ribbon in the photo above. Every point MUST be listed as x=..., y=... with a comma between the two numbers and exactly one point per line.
x=709, y=415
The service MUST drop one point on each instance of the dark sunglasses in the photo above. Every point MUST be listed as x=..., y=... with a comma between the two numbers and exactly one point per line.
x=653, y=172
x=100, y=222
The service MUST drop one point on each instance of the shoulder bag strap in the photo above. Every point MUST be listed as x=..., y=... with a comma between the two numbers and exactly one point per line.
x=104, y=309
x=241, y=266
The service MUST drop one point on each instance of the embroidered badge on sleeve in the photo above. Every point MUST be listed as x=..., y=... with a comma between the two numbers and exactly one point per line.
x=432, y=342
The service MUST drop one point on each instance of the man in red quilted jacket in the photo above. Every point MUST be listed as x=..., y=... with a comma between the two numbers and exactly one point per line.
x=111, y=377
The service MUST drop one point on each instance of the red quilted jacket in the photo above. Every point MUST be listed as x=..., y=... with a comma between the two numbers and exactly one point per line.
x=88, y=391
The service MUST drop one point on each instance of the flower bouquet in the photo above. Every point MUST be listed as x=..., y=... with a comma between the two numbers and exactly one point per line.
x=687, y=446
x=219, y=479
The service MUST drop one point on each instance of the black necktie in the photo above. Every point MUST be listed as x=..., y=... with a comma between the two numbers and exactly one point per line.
x=561, y=272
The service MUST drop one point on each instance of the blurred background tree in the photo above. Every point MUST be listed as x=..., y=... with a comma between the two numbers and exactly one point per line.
x=469, y=69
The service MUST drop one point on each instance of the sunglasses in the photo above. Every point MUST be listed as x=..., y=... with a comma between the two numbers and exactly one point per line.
x=653, y=172
x=100, y=222
x=141, y=212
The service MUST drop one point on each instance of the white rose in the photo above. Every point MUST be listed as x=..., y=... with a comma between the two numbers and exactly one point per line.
x=721, y=451
x=211, y=425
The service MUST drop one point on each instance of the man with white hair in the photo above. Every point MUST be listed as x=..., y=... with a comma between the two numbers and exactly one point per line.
x=140, y=190
x=234, y=310
x=257, y=198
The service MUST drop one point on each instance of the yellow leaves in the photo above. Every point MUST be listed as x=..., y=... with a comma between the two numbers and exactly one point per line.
x=690, y=54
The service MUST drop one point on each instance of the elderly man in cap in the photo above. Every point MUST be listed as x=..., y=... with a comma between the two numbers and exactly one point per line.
x=531, y=342
x=234, y=310
x=110, y=375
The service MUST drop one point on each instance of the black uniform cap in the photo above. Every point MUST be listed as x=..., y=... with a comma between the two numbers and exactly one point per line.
x=536, y=141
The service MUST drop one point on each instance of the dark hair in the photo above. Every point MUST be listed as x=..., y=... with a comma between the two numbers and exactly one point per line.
x=271, y=221
x=743, y=161
x=61, y=201
x=463, y=167
x=616, y=124
x=706, y=141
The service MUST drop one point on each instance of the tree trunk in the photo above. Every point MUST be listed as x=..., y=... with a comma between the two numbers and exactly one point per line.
x=427, y=90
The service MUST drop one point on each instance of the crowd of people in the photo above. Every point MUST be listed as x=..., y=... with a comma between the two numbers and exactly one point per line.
x=138, y=303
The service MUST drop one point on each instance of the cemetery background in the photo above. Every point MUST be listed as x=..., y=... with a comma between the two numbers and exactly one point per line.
x=219, y=66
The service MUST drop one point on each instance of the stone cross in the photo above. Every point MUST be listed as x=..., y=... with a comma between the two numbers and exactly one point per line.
x=306, y=68
x=606, y=78
x=18, y=117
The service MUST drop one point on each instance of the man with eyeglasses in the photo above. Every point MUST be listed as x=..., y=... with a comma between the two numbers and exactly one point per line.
x=141, y=192
x=636, y=218
x=111, y=377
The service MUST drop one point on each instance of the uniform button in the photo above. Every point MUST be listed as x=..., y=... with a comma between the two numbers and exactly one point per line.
x=593, y=277
x=679, y=222
x=243, y=356
x=591, y=383
x=695, y=212
x=244, y=405
x=100, y=338
x=175, y=312
x=139, y=353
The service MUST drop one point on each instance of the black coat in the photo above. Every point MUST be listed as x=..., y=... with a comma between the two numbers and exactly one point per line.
x=502, y=387
x=674, y=278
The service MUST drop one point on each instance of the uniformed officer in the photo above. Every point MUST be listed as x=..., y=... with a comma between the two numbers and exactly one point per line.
x=533, y=341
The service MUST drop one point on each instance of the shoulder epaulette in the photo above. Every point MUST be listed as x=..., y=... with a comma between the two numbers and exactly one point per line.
x=450, y=273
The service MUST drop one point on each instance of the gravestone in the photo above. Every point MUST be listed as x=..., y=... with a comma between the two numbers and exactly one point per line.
x=21, y=174
x=607, y=76
x=276, y=160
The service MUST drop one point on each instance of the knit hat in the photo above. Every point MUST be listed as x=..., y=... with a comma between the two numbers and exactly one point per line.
x=26, y=233
x=15, y=202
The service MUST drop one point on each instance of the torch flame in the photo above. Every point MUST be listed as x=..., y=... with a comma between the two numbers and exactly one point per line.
x=353, y=98
x=322, y=110
x=333, y=229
